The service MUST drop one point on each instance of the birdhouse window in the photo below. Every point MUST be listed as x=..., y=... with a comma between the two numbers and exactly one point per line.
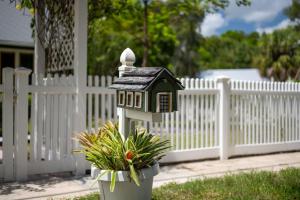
x=129, y=99
x=164, y=102
x=121, y=101
x=138, y=100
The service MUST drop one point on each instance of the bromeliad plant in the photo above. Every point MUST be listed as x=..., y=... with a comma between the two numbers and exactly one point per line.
x=110, y=152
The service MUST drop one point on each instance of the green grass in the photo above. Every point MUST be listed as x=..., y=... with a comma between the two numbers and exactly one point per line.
x=255, y=185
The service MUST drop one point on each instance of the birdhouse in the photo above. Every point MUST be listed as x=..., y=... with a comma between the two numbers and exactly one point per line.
x=147, y=89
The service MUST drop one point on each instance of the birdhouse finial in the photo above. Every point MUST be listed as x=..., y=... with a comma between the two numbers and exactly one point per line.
x=127, y=59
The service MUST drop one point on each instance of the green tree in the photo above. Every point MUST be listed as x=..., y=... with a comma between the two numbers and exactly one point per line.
x=186, y=21
x=173, y=27
x=110, y=35
x=233, y=49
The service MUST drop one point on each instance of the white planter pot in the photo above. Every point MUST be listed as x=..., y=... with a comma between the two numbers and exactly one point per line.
x=125, y=188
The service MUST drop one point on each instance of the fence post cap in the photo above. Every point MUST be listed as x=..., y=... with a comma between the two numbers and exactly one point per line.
x=22, y=70
x=223, y=79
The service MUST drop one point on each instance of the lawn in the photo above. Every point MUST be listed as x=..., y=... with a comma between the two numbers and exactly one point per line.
x=255, y=185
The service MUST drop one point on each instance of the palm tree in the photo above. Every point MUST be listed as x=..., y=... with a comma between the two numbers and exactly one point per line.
x=280, y=55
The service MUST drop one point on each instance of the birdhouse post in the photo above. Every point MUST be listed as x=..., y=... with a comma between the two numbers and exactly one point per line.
x=127, y=60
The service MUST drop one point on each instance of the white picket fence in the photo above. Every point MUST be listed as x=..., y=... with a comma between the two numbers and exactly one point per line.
x=214, y=119
x=38, y=124
x=261, y=117
x=264, y=117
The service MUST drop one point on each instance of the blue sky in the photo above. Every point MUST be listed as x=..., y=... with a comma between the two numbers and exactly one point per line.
x=261, y=16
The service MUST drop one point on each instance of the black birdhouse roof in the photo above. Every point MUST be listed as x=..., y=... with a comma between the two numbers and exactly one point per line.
x=141, y=78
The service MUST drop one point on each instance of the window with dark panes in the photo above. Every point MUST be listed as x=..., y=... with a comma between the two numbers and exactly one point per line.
x=7, y=59
x=138, y=102
x=164, y=102
x=121, y=98
x=129, y=99
x=26, y=60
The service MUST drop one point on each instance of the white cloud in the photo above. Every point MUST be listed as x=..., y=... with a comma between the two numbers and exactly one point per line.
x=260, y=10
x=211, y=23
x=283, y=24
x=259, y=16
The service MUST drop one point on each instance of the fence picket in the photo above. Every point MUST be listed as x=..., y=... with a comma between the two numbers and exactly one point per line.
x=264, y=117
x=197, y=113
x=269, y=115
x=252, y=108
x=48, y=119
x=34, y=111
x=70, y=114
x=286, y=114
x=192, y=115
x=62, y=119
x=290, y=108
x=244, y=122
x=55, y=120
x=40, y=119
x=187, y=114
x=182, y=113
x=177, y=124
x=248, y=114
x=103, y=101
x=205, y=132
x=275, y=114
x=109, y=99
x=90, y=103
x=201, y=114
x=211, y=121
x=239, y=138
x=171, y=133
x=96, y=116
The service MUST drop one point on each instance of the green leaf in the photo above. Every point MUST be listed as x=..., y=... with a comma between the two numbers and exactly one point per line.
x=113, y=180
x=133, y=175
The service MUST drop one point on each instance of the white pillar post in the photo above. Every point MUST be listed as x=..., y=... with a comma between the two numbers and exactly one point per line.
x=224, y=115
x=21, y=123
x=8, y=126
x=80, y=73
x=127, y=59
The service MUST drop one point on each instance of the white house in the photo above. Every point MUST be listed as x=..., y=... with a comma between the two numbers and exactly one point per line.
x=16, y=43
x=235, y=74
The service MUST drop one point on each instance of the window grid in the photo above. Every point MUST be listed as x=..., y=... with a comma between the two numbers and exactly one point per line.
x=164, y=103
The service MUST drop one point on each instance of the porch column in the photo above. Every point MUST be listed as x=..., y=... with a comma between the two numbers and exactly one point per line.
x=80, y=73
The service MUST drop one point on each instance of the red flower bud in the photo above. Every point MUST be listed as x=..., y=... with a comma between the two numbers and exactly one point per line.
x=129, y=155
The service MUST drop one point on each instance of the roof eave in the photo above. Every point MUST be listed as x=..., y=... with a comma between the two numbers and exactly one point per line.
x=17, y=43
